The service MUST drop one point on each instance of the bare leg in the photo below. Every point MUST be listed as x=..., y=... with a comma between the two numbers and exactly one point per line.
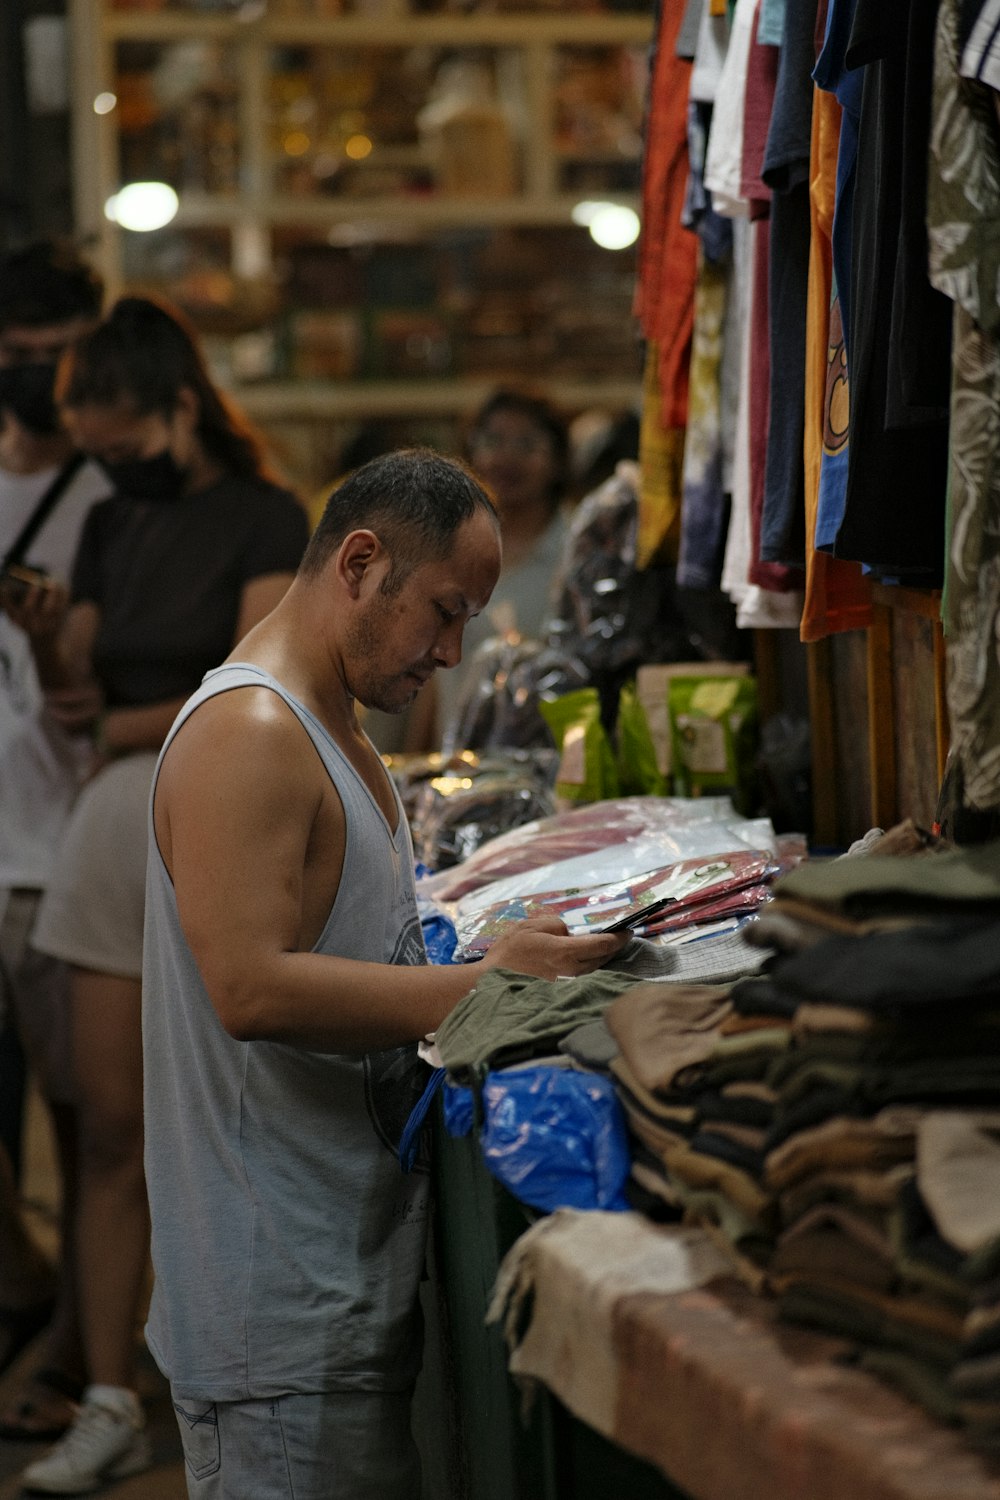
x=62, y=1348
x=112, y=1238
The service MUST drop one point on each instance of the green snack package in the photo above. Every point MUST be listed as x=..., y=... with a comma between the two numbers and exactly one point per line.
x=587, y=767
x=714, y=736
x=638, y=773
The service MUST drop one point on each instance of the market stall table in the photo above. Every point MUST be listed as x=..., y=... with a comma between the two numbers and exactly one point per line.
x=704, y=1383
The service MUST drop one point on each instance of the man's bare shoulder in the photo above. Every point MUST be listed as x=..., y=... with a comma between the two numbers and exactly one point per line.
x=241, y=774
x=244, y=734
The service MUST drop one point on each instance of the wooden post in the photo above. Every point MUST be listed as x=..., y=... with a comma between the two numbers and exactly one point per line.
x=881, y=718
x=768, y=673
x=942, y=725
x=822, y=739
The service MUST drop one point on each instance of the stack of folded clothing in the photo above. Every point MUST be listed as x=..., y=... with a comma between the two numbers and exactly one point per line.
x=800, y=1113
x=958, y=1166
x=691, y=1073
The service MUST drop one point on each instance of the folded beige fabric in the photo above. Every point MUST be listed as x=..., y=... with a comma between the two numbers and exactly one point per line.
x=573, y=1261
x=958, y=1173
x=661, y=1029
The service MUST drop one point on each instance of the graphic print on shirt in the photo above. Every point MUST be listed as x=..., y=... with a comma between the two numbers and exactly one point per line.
x=836, y=404
x=395, y=1078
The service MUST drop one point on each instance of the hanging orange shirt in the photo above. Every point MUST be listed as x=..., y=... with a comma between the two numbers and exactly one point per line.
x=668, y=253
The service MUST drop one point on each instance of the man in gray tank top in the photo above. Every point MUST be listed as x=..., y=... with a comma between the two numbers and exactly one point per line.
x=285, y=985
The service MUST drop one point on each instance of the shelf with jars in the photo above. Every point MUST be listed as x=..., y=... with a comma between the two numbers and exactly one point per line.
x=375, y=201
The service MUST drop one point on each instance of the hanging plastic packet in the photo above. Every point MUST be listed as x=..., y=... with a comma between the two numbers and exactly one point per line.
x=638, y=772
x=714, y=730
x=652, y=686
x=587, y=770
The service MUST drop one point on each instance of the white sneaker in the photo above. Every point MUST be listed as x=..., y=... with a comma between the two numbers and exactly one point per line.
x=106, y=1441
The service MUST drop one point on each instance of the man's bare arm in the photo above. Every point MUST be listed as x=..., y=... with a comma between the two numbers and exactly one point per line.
x=234, y=827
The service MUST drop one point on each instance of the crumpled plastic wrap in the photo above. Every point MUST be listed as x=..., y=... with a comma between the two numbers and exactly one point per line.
x=610, y=615
x=499, y=710
x=615, y=839
x=456, y=804
x=608, y=618
x=555, y=1137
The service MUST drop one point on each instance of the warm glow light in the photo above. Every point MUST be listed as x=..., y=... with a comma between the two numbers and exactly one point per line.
x=614, y=227
x=105, y=103
x=583, y=213
x=296, y=143
x=142, y=206
x=358, y=147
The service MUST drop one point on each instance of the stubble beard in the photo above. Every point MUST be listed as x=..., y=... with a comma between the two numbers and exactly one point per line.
x=390, y=695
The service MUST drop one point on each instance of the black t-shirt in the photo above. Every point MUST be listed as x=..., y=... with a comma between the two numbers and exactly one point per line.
x=167, y=578
x=786, y=173
x=899, y=341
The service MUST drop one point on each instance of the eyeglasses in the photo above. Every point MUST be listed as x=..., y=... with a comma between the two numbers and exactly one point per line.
x=41, y=353
x=526, y=445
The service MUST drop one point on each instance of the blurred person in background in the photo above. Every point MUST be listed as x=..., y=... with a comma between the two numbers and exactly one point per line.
x=195, y=548
x=518, y=444
x=48, y=298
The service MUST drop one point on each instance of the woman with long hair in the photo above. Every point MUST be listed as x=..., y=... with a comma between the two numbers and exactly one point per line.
x=195, y=547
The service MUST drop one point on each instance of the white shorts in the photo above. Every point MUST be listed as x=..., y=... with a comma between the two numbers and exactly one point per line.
x=92, y=913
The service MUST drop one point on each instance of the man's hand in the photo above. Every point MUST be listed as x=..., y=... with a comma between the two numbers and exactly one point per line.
x=542, y=946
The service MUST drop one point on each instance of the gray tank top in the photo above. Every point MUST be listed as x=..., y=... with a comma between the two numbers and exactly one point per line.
x=287, y=1243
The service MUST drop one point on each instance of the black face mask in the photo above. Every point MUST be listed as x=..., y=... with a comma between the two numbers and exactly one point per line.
x=158, y=478
x=29, y=392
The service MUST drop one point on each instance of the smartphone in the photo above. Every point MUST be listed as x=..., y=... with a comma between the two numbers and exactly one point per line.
x=16, y=579
x=637, y=917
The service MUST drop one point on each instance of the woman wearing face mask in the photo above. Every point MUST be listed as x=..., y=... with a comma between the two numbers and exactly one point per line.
x=196, y=546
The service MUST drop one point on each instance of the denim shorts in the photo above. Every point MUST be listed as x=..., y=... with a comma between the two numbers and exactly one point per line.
x=329, y=1446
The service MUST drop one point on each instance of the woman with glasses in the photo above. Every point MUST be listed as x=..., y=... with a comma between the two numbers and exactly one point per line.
x=518, y=444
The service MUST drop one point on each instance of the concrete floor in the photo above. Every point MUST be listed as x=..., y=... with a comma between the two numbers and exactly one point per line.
x=165, y=1481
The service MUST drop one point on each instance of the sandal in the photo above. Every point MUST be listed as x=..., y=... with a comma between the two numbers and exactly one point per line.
x=19, y=1325
x=31, y=1419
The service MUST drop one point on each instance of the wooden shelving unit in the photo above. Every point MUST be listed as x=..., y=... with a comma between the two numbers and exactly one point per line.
x=255, y=218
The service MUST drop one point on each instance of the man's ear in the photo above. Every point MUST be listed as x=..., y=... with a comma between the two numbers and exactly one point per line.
x=358, y=557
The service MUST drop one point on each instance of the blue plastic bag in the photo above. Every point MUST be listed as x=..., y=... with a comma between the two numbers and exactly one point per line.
x=555, y=1137
x=459, y=1108
x=440, y=938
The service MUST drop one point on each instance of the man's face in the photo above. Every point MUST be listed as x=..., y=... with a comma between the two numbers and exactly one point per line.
x=397, y=641
x=28, y=359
